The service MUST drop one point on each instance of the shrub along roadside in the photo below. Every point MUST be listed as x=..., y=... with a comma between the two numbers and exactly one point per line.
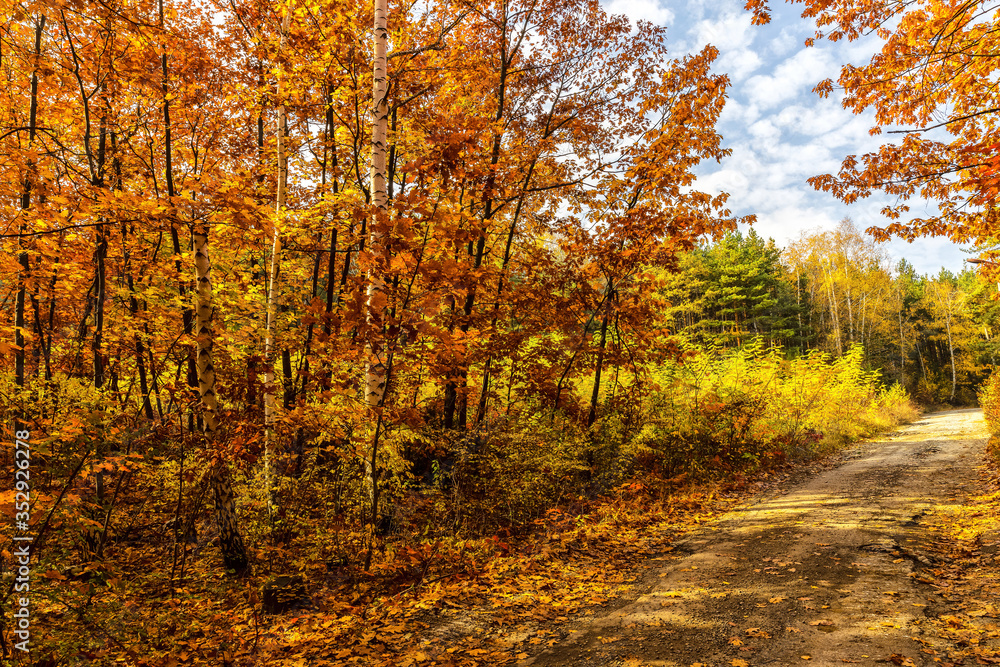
x=734, y=412
x=989, y=401
x=589, y=504
x=714, y=414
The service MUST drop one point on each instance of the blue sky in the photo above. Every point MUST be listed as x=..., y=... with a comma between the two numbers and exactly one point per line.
x=781, y=133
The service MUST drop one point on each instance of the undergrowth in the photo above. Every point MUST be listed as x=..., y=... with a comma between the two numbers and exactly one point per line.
x=713, y=414
x=718, y=413
x=533, y=513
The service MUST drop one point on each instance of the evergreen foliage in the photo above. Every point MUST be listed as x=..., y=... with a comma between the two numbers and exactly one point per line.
x=833, y=290
x=734, y=291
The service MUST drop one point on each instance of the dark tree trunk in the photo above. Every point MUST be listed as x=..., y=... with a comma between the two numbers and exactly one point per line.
x=597, y=372
x=22, y=255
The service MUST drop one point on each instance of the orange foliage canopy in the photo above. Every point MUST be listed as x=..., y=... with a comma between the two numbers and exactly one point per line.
x=539, y=160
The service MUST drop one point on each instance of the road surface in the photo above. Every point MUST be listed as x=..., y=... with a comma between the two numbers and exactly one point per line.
x=823, y=573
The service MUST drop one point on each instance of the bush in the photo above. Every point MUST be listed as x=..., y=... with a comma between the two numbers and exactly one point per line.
x=989, y=401
x=717, y=413
x=736, y=411
x=511, y=474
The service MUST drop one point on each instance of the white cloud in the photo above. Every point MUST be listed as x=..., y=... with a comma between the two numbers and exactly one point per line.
x=738, y=64
x=765, y=132
x=813, y=121
x=733, y=181
x=795, y=76
x=927, y=255
x=733, y=35
x=738, y=114
x=785, y=223
x=730, y=31
x=641, y=10
x=786, y=42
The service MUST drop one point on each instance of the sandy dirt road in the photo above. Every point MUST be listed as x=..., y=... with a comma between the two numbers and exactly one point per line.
x=826, y=572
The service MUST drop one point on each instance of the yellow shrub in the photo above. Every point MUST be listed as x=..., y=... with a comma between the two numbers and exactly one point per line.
x=734, y=411
x=989, y=400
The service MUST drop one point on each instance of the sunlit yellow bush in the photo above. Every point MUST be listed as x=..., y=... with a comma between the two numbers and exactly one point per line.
x=989, y=400
x=716, y=413
x=735, y=411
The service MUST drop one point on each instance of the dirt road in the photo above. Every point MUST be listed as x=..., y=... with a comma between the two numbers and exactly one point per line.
x=823, y=573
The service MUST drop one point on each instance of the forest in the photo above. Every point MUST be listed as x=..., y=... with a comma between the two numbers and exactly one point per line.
x=320, y=318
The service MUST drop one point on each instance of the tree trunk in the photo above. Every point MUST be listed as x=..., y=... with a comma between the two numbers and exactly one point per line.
x=22, y=255
x=835, y=312
x=272, y=291
x=375, y=368
x=477, y=251
x=139, y=346
x=850, y=308
x=798, y=308
x=100, y=257
x=597, y=371
x=234, y=554
x=484, y=393
x=902, y=345
x=100, y=291
x=951, y=353
x=331, y=267
x=41, y=352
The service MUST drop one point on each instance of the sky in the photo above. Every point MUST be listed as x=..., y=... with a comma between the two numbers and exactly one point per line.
x=780, y=132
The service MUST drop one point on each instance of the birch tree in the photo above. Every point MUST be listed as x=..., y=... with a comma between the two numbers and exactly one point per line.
x=234, y=553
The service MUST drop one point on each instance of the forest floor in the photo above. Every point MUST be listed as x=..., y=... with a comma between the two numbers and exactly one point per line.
x=890, y=556
x=886, y=553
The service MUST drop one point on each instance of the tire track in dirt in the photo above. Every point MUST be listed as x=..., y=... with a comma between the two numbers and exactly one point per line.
x=824, y=573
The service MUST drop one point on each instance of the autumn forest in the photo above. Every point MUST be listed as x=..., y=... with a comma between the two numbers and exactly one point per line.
x=339, y=314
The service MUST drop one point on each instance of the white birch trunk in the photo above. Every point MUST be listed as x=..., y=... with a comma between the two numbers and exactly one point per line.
x=203, y=330
x=234, y=553
x=375, y=370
